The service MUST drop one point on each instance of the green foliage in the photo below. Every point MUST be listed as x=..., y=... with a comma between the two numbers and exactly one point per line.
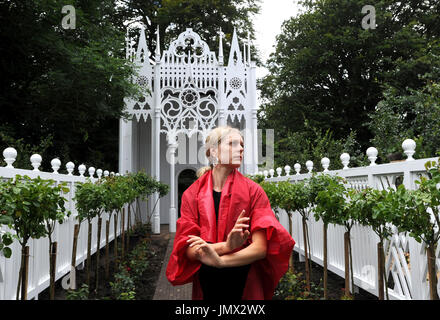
x=417, y=210
x=68, y=84
x=130, y=272
x=30, y=202
x=375, y=209
x=79, y=294
x=292, y=287
x=89, y=200
x=327, y=207
x=328, y=73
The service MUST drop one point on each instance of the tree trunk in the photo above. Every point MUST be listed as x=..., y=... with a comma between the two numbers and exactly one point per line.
x=123, y=233
x=306, y=254
x=347, y=263
x=73, y=263
x=89, y=249
x=20, y=273
x=115, y=241
x=128, y=228
x=98, y=244
x=380, y=268
x=107, y=262
x=325, y=262
x=291, y=264
x=430, y=253
x=24, y=284
x=53, y=262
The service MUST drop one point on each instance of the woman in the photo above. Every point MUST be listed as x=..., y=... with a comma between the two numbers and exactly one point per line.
x=228, y=241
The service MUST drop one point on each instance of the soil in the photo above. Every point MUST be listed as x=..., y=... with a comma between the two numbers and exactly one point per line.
x=335, y=284
x=144, y=290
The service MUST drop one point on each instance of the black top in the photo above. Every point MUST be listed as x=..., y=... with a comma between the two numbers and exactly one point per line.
x=222, y=284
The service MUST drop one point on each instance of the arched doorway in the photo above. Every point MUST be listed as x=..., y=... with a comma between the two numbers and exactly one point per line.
x=185, y=179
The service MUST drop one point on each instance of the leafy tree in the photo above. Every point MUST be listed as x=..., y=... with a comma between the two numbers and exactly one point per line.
x=89, y=202
x=67, y=84
x=32, y=204
x=296, y=197
x=323, y=210
x=205, y=17
x=418, y=213
x=330, y=73
x=376, y=210
x=410, y=113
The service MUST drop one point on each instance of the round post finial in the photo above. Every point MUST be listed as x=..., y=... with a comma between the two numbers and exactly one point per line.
x=279, y=170
x=297, y=167
x=309, y=165
x=325, y=162
x=345, y=159
x=91, y=172
x=287, y=169
x=409, y=148
x=36, y=161
x=372, y=155
x=106, y=173
x=99, y=173
x=9, y=155
x=82, y=170
x=70, y=166
x=56, y=164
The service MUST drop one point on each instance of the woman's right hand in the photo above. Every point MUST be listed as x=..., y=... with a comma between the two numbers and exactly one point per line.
x=239, y=234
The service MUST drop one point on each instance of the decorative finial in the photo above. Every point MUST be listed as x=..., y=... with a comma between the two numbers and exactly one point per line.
x=220, y=46
x=157, y=44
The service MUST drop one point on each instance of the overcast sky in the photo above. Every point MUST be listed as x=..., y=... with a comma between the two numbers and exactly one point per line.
x=268, y=25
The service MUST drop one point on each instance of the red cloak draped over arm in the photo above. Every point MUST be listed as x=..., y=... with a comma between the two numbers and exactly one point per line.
x=266, y=273
x=180, y=269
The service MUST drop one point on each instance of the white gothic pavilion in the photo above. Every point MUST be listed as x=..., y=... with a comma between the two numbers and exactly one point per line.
x=190, y=92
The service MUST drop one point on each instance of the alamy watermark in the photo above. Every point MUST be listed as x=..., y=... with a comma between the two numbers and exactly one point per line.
x=189, y=151
x=69, y=20
x=369, y=21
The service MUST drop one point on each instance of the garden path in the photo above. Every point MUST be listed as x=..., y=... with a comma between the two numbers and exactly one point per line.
x=164, y=290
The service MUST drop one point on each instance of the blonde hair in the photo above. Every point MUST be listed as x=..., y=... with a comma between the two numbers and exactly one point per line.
x=212, y=141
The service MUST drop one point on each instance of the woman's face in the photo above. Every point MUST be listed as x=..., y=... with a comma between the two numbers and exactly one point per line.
x=230, y=150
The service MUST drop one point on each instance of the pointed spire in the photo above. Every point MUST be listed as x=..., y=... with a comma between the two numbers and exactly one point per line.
x=235, y=51
x=142, y=46
x=157, y=44
x=220, y=47
x=249, y=48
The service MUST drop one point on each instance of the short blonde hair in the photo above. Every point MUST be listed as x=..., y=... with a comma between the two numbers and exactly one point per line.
x=212, y=141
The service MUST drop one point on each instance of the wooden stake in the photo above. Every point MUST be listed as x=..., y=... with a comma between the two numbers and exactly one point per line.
x=325, y=262
x=73, y=263
x=430, y=253
x=128, y=228
x=380, y=267
x=53, y=263
x=291, y=264
x=24, y=284
x=107, y=262
x=123, y=232
x=115, y=241
x=347, y=264
x=306, y=254
x=89, y=249
x=98, y=243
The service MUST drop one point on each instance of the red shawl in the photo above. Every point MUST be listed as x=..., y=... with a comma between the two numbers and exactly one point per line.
x=198, y=218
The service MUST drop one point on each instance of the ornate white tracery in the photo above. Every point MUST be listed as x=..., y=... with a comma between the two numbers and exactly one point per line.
x=188, y=91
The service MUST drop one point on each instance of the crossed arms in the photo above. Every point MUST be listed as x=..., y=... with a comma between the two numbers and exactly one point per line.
x=218, y=254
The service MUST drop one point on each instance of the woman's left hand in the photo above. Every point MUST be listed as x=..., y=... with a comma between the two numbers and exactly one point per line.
x=205, y=252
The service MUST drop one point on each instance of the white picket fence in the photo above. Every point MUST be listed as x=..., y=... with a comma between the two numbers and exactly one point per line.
x=38, y=278
x=406, y=262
